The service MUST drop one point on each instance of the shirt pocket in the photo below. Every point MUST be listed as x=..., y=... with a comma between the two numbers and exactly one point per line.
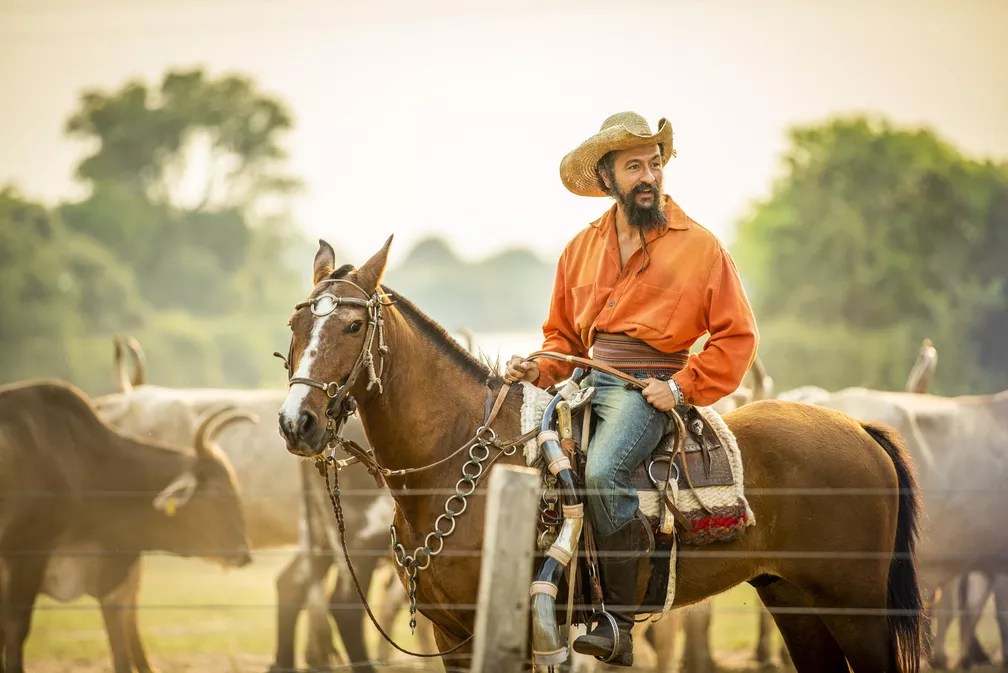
x=651, y=308
x=584, y=306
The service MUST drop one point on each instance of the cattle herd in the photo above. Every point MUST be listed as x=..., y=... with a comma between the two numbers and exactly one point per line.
x=87, y=486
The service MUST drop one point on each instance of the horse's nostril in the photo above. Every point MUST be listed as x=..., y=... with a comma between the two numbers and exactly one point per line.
x=306, y=423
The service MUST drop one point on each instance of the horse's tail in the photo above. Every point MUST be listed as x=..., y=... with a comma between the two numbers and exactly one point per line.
x=906, y=609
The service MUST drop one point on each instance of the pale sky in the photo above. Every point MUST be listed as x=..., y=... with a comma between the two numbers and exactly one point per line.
x=450, y=117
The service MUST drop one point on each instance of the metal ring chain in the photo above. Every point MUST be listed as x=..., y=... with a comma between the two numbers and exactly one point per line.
x=444, y=525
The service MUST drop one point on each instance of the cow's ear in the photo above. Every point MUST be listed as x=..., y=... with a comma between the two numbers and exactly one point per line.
x=325, y=262
x=176, y=494
x=371, y=274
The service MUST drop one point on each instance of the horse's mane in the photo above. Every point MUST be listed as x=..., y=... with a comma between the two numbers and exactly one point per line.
x=481, y=369
x=484, y=370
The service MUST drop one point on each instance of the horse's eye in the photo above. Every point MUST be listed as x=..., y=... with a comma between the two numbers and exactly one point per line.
x=355, y=326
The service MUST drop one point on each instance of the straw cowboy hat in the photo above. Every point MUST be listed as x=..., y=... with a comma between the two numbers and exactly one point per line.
x=622, y=131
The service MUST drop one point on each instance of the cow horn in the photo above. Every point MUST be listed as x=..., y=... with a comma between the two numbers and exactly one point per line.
x=213, y=422
x=919, y=380
x=763, y=383
x=139, y=361
x=125, y=385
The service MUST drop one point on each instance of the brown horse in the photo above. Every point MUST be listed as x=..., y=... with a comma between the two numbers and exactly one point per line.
x=831, y=554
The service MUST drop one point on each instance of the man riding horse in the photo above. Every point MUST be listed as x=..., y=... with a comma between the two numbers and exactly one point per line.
x=639, y=286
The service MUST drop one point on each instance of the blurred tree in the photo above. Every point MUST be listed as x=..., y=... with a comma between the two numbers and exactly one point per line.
x=195, y=143
x=181, y=177
x=56, y=289
x=874, y=238
x=184, y=238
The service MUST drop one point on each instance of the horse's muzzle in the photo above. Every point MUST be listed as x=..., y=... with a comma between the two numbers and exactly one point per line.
x=305, y=435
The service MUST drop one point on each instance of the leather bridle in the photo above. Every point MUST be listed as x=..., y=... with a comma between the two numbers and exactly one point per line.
x=341, y=403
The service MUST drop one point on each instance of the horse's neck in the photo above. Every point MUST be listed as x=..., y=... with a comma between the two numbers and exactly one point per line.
x=429, y=405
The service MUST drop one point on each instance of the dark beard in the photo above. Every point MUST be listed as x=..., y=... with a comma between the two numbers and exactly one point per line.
x=639, y=217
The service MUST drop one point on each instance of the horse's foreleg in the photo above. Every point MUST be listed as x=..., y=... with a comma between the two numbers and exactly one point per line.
x=811, y=645
x=460, y=659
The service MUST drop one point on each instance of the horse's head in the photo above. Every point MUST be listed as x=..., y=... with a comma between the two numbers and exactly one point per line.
x=336, y=349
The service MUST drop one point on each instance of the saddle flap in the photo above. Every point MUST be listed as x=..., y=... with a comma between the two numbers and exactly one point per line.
x=706, y=461
x=700, y=436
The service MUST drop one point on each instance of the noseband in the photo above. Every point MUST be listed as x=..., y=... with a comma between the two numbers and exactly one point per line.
x=341, y=403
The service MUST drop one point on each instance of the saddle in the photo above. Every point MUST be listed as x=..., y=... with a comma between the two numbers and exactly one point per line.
x=703, y=462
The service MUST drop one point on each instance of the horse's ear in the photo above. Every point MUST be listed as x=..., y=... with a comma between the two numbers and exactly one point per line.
x=370, y=275
x=325, y=262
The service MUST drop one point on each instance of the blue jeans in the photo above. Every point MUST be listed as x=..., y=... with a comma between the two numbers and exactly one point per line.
x=627, y=430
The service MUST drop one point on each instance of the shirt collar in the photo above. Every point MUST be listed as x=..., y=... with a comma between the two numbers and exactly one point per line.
x=677, y=219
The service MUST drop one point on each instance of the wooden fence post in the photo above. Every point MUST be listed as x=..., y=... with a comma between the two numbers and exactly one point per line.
x=500, y=641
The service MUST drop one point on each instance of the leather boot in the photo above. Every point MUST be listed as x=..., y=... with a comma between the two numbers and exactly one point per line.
x=620, y=575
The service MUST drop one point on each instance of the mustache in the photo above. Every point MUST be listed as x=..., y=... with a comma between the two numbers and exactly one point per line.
x=644, y=188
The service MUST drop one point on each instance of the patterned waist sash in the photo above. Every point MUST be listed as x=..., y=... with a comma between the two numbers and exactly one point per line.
x=633, y=356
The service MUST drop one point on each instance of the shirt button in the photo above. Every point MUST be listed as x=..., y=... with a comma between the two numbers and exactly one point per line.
x=611, y=304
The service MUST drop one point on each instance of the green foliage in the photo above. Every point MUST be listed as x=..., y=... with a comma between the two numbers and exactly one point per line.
x=183, y=240
x=56, y=287
x=194, y=142
x=876, y=235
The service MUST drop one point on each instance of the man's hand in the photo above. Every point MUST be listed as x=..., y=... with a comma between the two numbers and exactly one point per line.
x=659, y=395
x=520, y=369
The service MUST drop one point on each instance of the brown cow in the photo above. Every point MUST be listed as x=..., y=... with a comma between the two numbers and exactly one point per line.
x=71, y=486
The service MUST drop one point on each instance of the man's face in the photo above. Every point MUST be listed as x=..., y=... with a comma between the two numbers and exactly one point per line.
x=636, y=183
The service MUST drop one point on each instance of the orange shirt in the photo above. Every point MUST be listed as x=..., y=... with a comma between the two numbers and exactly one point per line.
x=690, y=288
